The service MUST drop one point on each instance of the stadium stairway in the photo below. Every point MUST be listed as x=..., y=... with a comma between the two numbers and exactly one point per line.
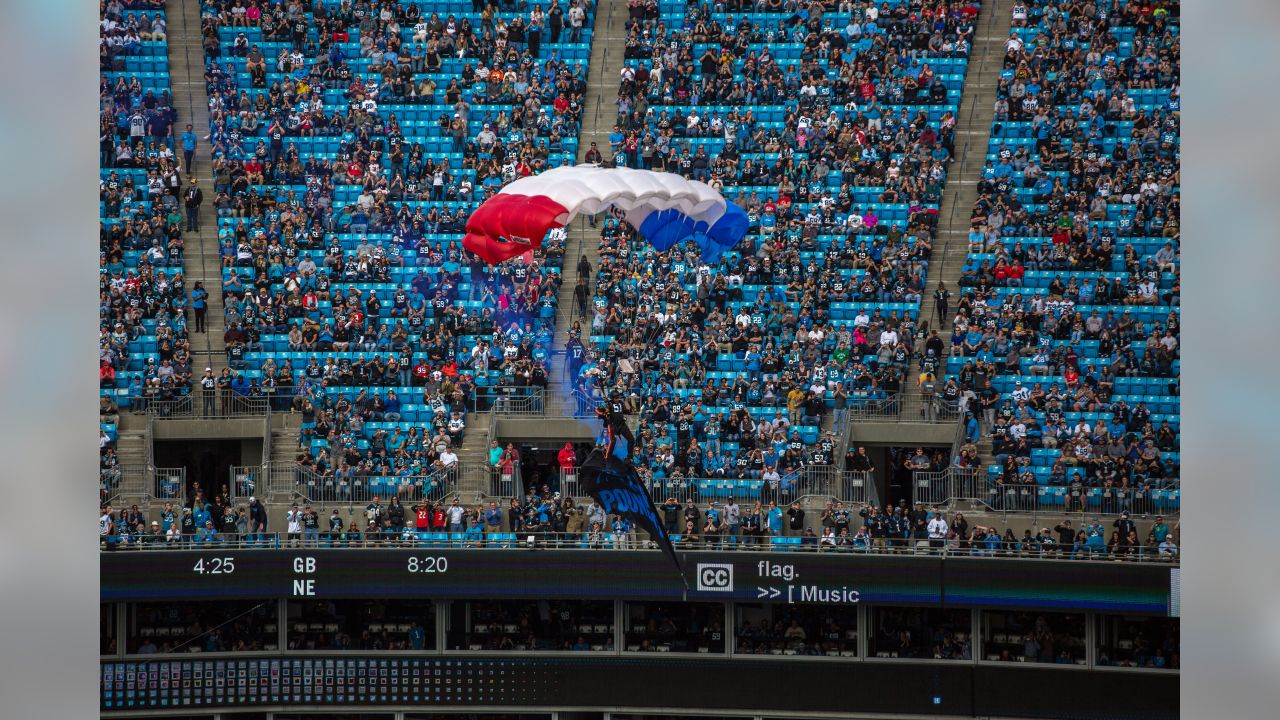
x=582, y=240
x=131, y=440
x=202, y=260
x=973, y=129
x=474, y=454
x=597, y=122
x=284, y=431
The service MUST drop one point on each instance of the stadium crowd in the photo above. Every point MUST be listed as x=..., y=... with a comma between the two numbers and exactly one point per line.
x=834, y=132
x=1065, y=340
x=350, y=142
x=144, y=194
x=341, y=181
x=547, y=518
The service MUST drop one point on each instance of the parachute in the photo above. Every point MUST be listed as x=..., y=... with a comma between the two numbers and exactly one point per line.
x=664, y=207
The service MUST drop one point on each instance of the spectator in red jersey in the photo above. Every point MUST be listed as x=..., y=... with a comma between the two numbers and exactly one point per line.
x=568, y=457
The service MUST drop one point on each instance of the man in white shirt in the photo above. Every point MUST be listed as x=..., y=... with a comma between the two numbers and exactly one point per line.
x=293, y=520
x=456, y=427
x=105, y=524
x=1147, y=292
x=889, y=338
x=456, y=514
x=577, y=18
x=1018, y=429
x=938, y=529
x=1020, y=392
x=448, y=458
x=862, y=319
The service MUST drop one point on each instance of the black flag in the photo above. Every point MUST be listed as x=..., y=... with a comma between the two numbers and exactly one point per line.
x=614, y=484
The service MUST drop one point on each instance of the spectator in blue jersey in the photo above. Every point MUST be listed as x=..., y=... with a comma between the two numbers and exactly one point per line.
x=774, y=518
x=1095, y=537
x=189, y=142
x=207, y=534
x=417, y=636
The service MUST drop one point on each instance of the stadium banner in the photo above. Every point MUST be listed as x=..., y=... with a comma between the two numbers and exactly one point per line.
x=745, y=576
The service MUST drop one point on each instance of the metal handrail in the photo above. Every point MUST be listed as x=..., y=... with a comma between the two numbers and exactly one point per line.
x=510, y=399
x=244, y=481
x=631, y=542
x=946, y=488
x=144, y=484
x=295, y=481
x=226, y=404
x=267, y=434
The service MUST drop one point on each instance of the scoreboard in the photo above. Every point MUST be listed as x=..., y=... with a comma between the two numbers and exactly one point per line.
x=332, y=681
x=766, y=577
x=761, y=685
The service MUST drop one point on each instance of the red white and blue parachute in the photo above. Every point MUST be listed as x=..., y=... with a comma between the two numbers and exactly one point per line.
x=664, y=207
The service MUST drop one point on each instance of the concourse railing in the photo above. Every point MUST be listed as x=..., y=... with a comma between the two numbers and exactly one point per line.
x=526, y=539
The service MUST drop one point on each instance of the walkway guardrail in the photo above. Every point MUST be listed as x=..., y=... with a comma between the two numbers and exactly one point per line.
x=570, y=483
x=510, y=400
x=1057, y=499
x=946, y=486
x=289, y=480
x=812, y=481
x=142, y=484
x=201, y=404
x=974, y=485
x=878, y=410
x=526, y=539
x=902, y=408
x=809, y=481
x=858, y=487
x=244, y=480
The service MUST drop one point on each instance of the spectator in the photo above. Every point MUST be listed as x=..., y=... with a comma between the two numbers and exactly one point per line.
x=207, y=534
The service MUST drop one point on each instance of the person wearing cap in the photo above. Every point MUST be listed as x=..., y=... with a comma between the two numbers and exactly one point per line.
x=1159, y=531
x=208, y=393
x=456, y=515
x=154, y=535
x=207, y=534
x=310, y=526
x=1124, y=525
x=257, y=521
x=732, y=520
x=927, y=382
x=293, y=523
x=1095, y=538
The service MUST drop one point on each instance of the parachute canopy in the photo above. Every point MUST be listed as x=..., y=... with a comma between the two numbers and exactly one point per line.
x=664, y=207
